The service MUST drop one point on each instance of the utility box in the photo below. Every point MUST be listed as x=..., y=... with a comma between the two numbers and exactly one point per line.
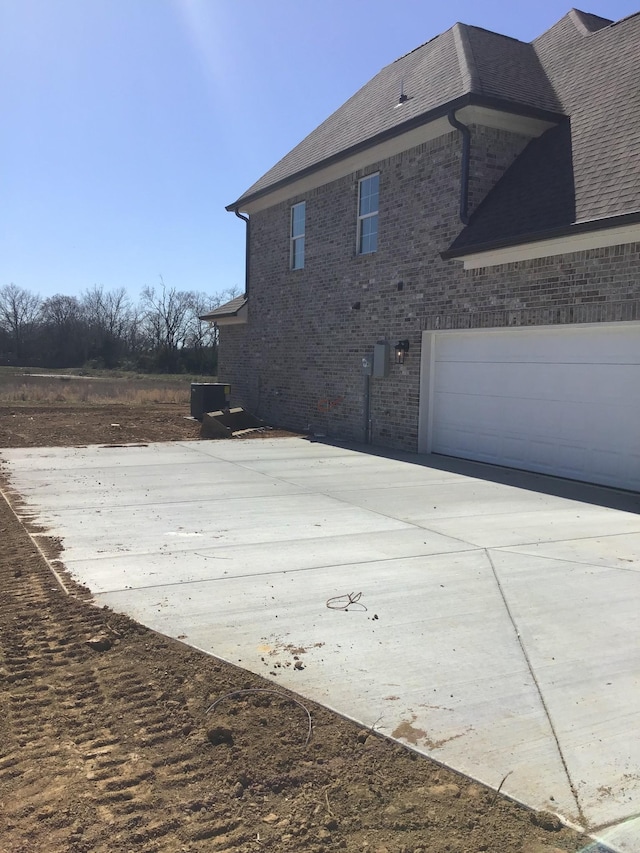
x=380, y=360
x=209, y=397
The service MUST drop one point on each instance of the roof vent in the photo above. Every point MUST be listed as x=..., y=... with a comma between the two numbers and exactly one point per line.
x=403, y=98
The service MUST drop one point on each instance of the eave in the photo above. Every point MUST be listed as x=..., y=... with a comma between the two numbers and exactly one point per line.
x=229, y=317
x=536, y=122
x=579, y=236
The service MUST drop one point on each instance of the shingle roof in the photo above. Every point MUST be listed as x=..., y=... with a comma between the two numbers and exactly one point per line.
x=539, y=194
x=508, y=69
x=229, y=309
x=586, y=170
x=463, y=61
x=596, y=78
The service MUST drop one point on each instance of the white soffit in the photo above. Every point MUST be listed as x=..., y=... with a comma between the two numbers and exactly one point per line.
x=390, y=148
x=554, y=246
x=525, y=125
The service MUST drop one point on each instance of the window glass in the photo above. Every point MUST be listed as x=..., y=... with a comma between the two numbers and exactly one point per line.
x=369, y=195
x=369, y=235
x=368, y=214
x=297, y=220
x=296, y=252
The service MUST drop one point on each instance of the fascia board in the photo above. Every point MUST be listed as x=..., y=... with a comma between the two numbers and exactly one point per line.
x=529, y=123
x=561, y=245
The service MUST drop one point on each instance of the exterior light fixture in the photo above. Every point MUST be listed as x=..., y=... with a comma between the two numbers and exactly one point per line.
x=402, y=348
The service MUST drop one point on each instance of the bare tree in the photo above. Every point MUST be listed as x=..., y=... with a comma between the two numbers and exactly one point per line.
x=19, y=312
x=167, y=314
x=109, y=316
x=64, y=331
x=203, y=332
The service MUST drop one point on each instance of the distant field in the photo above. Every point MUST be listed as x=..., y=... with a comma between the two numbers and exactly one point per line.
x=36, y=386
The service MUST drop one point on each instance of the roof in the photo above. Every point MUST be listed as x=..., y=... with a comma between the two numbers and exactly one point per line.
x=229, y=309
x=588, y=168
x=463, y=62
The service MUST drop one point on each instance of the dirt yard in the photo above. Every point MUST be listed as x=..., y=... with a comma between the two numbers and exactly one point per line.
x=106, y=745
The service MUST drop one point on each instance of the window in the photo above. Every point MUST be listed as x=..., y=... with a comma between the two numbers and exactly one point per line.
x=368, y=214
x=297, y=236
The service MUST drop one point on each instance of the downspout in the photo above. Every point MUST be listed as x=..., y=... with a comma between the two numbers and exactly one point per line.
x=246, y=250
x=466, y=159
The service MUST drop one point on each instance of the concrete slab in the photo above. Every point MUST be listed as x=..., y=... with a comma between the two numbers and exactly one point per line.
x=420, y=662
x=495, y=630
x=621, y=551
x=189, y=558
x=580, y=657
x=159, y=527
x=549, y=525
x=155, y=484
x=623, y=837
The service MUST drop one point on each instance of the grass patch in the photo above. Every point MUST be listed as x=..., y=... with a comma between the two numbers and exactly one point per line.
x=41, y=388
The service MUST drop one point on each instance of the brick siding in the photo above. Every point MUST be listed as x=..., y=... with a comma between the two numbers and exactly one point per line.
x=297, y=363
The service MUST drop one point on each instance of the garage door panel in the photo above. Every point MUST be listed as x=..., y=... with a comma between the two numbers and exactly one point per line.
x=538, y=381
x=615, y=345
x=510, y=417
x=562, y=400
x=570, y=423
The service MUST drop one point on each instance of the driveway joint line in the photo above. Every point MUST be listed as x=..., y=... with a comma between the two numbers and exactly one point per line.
x=545, y=541
x=359, y=563
x=539, y=690
x=506, y=549
x=142, y=505
x=612, y=823
x=410, y=524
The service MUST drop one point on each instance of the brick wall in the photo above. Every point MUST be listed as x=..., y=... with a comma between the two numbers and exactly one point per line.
x=297, y=363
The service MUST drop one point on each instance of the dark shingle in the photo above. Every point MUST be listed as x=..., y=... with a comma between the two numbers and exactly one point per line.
x=229, y=309
x=462, y=61
x=430, y=76
x=583, y=67
x=592, y=65
x=537, y=196
x=509, y=69
x=596, y=78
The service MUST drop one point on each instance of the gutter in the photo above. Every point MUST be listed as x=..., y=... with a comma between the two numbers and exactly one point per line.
x=247, y=256
x=466, y=159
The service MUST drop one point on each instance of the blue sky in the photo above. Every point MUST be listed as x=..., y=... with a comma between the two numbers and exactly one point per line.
x=128, y=125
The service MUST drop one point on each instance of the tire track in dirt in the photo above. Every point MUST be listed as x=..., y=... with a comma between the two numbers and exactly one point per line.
x=81, y=725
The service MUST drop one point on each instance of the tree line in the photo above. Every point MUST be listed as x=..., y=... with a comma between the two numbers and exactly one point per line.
x=162, y=332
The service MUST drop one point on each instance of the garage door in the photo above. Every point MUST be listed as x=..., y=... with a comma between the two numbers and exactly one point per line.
x=559, y=400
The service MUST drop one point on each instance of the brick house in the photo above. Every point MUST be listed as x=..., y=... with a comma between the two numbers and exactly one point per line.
x=466, y=228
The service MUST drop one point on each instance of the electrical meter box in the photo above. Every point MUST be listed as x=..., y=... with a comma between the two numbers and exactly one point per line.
x=380, y=360
x=367, y=365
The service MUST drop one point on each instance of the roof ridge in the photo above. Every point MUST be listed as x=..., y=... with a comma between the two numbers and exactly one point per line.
x=466, y=58
x=493, y=33
x=578, y=19
x=576, y=16
x=452, y=29
x=419, y=47
x=624, y=20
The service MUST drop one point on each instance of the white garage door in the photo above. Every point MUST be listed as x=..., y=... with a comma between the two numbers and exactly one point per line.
x=560, y=400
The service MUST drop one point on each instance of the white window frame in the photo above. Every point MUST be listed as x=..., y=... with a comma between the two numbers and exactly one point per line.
x=297, y=240
x=369, y=215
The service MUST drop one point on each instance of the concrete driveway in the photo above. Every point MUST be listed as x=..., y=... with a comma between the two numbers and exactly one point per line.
x=486, y=618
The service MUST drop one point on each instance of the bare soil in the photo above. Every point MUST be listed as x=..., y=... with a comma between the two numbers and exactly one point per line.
x=106, y=745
